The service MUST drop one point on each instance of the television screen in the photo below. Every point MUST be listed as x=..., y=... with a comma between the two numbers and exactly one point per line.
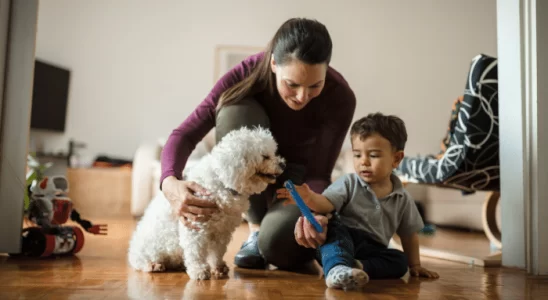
x=49, y=97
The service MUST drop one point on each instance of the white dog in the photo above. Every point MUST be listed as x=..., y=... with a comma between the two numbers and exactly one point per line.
x=243, y=163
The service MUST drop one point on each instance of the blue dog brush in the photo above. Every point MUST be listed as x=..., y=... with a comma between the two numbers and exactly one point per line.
x=302, y=206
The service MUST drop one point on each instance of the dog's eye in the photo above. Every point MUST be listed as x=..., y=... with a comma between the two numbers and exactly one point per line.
x=266, y=157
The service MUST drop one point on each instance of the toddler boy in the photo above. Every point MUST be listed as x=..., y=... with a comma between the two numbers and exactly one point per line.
x=369, y=206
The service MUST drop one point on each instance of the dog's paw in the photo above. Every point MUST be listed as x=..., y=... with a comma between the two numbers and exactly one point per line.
x=155, y=267
x=203, y=275
x=220, y=271
x=200, y=275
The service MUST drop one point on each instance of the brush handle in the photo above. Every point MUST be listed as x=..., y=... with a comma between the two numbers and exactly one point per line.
x=302, y=206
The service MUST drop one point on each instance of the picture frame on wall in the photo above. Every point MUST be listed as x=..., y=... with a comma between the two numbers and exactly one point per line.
x=228, y=56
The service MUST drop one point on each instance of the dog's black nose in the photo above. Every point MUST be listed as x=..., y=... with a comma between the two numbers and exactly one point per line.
x=282, y=165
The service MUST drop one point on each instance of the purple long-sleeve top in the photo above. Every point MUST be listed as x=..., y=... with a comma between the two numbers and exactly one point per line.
x=312, y=137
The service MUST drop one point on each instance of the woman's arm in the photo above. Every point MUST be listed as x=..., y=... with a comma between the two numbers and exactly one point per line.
x=186, y=136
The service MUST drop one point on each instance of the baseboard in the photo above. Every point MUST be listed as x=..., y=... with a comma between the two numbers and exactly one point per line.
x=491, y=261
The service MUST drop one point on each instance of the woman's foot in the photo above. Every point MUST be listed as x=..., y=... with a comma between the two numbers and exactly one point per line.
x=346, y=278
x=249, y=256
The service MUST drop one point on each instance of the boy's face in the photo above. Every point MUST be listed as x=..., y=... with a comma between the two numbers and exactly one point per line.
x=375, y=158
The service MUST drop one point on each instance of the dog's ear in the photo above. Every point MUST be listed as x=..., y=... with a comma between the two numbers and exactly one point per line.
x=227, y=158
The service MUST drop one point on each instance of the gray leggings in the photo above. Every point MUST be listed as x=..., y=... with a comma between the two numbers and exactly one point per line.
x=276, y=237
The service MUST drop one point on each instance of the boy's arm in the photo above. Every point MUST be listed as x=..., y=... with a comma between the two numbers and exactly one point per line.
x=333, y=197
x=319, y=203
x=316, y=202
x=410, y=245
x=410, y=224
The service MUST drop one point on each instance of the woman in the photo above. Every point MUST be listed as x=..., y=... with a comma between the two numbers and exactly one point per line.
x=307, y=105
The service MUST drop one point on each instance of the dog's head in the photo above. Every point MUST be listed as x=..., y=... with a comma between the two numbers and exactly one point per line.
x=245, y=160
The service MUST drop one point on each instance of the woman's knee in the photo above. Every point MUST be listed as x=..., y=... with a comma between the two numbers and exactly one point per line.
x=277, y=241
x=247, y=112
x=283, y=253
x=258, y=206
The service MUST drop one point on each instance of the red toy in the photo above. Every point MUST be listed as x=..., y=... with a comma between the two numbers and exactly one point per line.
x=49, y=209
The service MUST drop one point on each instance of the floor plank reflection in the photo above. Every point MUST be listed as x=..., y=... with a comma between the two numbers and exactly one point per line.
x=100, y=271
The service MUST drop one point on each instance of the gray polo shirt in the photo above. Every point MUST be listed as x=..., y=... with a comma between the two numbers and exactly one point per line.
x=359, y=208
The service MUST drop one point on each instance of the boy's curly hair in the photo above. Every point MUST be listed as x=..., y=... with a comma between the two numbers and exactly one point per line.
x=390, y=127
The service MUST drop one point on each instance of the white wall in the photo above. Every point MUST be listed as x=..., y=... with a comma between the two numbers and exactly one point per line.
x=140, y=67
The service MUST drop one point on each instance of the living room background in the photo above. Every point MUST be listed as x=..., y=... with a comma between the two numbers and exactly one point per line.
x=139, y=68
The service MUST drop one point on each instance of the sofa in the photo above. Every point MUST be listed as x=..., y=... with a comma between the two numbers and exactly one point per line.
x=441, y=206
x=145, y=181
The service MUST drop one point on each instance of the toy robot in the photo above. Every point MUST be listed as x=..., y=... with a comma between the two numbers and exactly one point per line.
x=49, y=208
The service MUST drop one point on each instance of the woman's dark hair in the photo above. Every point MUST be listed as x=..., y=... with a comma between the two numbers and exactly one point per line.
x=302, y=39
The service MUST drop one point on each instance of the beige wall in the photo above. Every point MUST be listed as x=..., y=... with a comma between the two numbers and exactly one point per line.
x=140, y=67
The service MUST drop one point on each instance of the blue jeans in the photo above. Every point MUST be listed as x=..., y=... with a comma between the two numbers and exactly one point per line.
x=344, y=245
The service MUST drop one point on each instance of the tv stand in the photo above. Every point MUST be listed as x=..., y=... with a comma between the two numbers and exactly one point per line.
x=59, y=161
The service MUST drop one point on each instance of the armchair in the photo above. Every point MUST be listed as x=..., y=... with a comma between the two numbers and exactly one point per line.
x=469, y=156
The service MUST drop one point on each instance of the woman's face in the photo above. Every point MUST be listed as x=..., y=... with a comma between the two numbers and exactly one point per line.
x=298, y=83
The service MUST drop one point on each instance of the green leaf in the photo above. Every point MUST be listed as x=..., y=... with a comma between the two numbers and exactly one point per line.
x=27, y=202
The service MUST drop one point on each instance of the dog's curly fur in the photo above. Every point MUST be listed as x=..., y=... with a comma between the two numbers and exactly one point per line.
x=243, y=163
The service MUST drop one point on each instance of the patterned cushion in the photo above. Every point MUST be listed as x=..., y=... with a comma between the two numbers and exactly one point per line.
x=469, y=157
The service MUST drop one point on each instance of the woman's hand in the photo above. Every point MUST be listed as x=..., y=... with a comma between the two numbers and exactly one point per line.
x=181, y=196
x=307, y=236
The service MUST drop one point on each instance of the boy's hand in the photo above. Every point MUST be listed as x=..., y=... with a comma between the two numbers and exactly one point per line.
x=422, y=272
x=307, y=236
x=304, y=191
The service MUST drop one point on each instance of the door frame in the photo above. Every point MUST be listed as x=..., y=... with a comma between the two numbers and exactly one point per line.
x=522, y=38
x=17, y=52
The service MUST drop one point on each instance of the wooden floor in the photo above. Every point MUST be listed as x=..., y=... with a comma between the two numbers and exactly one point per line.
x=100, y=271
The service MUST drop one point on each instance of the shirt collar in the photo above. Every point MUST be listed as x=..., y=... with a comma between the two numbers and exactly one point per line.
x=397, y=188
